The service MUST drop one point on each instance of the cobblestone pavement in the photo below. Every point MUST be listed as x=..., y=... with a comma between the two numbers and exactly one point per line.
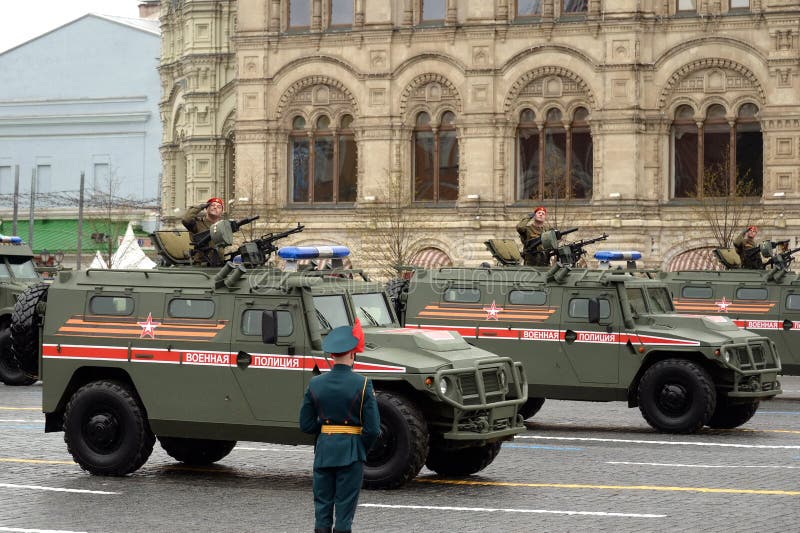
x=579, y=467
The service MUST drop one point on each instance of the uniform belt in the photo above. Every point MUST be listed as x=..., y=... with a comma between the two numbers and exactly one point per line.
x=332, y=429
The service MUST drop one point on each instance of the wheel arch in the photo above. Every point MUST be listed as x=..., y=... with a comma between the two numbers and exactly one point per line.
x=54, y=420
x=660, y=355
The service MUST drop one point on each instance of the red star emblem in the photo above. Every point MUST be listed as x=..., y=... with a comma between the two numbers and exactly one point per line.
x=492, y=311
x=722, y=305
x=149, y=327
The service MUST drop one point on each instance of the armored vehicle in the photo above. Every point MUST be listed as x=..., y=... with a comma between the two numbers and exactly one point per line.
x=600, y=336
x=16, y=273
x=766, y=302
x=200, y=360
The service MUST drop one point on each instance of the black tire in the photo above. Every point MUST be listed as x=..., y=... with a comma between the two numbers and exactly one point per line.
x=396, y=289
x=727, y=416
x=10, y=372
x=463, y=462
x=531, y=407
x=676, y=396
x=196, y=451
x=401, y=449
x=25, y=322
x=106, y=429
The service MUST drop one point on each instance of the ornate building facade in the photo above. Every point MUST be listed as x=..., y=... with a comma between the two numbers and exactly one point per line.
x=615, y=114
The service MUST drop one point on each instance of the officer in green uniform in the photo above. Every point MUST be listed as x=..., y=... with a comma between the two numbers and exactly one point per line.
x=197, y=224
x=531, y=227
x=747, y=248
x=340, y=408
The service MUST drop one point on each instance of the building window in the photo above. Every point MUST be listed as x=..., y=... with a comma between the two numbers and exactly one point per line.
x=323, y=161
x=433, y=11
x=341, y=13
x=299, y=14
x=687, y=5
x=529, y=8
x=574, y=6
x=435, y=159
x=546, y=157
x=740, y=4
x=718, y=156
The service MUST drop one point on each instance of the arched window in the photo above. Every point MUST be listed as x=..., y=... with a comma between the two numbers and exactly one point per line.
x=435, y=159
x=323, y=161
x=556, y=160
x=528, y=155
x=720, y=156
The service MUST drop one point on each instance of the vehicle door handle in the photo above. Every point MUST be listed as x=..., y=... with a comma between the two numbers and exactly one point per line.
x=787, y=324
x=243, y=359
x=143, y=355
x=570, y=336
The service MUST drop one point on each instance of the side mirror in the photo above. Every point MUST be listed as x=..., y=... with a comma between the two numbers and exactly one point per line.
x=594, y=310
x=269, y=326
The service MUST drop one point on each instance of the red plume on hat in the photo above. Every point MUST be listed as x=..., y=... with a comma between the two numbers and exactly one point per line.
x=358, y=333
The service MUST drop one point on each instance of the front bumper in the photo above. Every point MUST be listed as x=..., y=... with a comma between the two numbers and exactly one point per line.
x=484, y=399
x=755, y=366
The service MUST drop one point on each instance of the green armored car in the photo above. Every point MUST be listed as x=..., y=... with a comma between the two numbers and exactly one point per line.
x=766, y=302
x=600, y=336
x=200, y=360
x=16, y=273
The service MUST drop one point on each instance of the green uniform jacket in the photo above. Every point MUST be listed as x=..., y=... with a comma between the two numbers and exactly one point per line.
x=340, y=397
x=193, y=221
x=537, y=256
x=745, y=247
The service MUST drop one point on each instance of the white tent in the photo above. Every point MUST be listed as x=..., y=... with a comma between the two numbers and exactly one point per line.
x=98, y=261
x=129, y=254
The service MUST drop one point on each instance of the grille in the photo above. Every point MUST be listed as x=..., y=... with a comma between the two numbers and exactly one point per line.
x=491, y=386
x=758, y=355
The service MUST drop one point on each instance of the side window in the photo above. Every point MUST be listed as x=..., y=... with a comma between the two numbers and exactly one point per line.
x=462, y=294
x=699, y=293
x=527, y=297
x=636, y=299
x=191, y=308
x=251, y=323
x=793, y=302
x=111, y=305
x=579, y=308
x=752, y=293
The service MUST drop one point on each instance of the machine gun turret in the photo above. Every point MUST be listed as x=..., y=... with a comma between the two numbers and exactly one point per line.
x=548, y=239
x=258, y=251
x=207, y=244
x=782, y=260
x=570, y=253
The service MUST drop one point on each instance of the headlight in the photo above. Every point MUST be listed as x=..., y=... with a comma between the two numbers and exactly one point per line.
x=443, y=386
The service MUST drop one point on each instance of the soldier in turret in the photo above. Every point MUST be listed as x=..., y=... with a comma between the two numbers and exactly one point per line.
x=747, y=248
x=197, y=223
x=530, y=227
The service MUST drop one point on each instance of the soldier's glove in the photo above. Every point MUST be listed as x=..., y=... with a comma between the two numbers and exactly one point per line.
x=204, y=205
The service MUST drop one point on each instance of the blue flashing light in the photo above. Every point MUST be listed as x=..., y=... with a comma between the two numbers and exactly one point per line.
x=10, y=239
x=295, y=253
x=615, y=255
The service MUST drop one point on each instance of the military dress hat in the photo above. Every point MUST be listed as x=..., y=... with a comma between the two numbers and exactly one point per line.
x=540, y=208
x=340, y=340
x=216, y=200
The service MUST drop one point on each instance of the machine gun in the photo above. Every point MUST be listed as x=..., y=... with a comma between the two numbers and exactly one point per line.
x=258, y=251
x=548, y=239
x=570, y=253
x=206, y=244
x=782, y=260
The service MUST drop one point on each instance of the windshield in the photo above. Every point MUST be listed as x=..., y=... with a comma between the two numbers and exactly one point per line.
x=660, y=300
x=636, y=300
x=4, y=273
x=371, y=309
x=331, y=312
x=22, y=268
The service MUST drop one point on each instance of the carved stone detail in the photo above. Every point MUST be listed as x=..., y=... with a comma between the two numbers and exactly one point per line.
x=303, y=92
x=543, y=82
x=711, y=75
x=430, y=88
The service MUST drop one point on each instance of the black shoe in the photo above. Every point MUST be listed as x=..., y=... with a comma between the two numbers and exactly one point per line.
x=322, y=530
x=341, y=531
